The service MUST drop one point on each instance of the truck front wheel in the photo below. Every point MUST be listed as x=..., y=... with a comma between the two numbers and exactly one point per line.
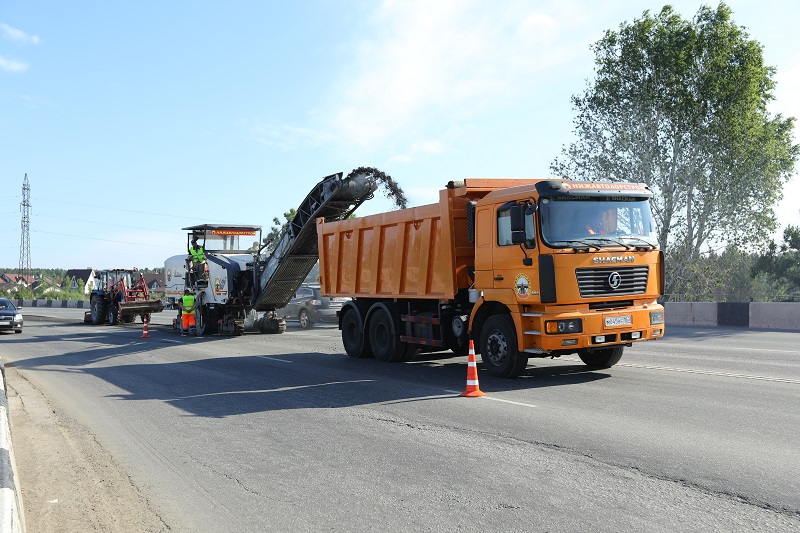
x=353, y=336
x=605, y=358
x=499, y=348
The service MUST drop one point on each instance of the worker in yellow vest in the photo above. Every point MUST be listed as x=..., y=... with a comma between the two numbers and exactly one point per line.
x=187, y=313
x=198, y=257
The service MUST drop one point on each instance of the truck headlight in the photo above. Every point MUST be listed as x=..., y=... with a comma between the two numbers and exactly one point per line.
x=656, y=317
x=562, y=327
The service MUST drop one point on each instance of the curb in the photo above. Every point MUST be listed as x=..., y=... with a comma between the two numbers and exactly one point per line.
x=12, y=516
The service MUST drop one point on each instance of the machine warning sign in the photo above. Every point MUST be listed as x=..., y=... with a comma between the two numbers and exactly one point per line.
x=232, y=232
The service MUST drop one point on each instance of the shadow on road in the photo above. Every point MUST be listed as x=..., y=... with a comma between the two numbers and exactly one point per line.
x=227, y=385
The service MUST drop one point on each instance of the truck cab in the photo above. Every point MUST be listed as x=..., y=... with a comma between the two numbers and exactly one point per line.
x=575, y=264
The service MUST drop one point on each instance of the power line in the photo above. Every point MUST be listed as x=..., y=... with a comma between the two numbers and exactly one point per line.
x=117, y=209
x=105, y=240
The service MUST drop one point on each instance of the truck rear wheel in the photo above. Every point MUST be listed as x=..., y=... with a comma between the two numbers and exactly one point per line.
x=499, y=348
x=98, y=310
x=605, y=358
x=354, y=338
x=383, y=338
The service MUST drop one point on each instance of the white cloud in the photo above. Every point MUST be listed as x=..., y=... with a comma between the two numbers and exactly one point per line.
x=17, y=35
x=283, y=136
x=426, y=66
x=422, y=147
x=10, y=65
x=787, y=91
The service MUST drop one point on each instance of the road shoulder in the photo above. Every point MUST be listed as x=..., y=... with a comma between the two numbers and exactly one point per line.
x=69, y=482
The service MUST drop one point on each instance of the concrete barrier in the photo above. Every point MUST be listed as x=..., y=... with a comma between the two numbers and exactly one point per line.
x=775, y=315
x=762, y=315
x=690, y=313
x=12, y=516
x=80, y=304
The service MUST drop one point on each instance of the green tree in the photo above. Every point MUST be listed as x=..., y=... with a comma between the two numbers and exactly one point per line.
x=782, y=263
x=681, y=106
x=277, y=229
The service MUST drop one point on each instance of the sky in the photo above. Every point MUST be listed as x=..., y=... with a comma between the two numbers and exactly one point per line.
x=133, y=120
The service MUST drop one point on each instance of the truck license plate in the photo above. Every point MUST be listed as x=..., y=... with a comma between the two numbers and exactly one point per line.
x=624, y=320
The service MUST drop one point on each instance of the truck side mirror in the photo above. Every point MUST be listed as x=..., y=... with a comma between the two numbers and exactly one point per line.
x=517, y=224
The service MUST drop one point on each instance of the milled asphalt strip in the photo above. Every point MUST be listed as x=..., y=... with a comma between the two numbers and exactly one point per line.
x=697, y=346
x=713, y=373
x=703, y=372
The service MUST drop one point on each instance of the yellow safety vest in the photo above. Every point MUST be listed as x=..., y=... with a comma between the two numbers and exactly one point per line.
x=198, y=256
x=187, y=301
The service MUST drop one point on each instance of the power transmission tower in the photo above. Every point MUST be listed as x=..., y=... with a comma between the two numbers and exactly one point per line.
x=25, y=241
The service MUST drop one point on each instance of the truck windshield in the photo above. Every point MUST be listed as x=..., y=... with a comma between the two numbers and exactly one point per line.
x=598, y=222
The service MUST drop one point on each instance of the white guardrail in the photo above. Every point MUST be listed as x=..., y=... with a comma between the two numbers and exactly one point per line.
x=12, y=517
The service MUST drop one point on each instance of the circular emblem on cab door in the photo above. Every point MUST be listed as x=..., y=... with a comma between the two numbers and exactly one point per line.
x=522, y=285
x=614, y=280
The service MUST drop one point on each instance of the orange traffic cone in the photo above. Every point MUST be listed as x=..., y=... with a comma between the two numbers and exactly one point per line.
x=473, y=389
x=145, y=333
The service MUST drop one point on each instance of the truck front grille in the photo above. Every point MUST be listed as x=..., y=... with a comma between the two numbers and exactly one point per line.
x=593, y=282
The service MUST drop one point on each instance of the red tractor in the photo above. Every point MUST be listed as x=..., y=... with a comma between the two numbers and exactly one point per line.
x=120, y=295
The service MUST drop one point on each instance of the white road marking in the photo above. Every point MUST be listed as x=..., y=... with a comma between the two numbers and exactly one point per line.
x=498, y=399
x=270, y=358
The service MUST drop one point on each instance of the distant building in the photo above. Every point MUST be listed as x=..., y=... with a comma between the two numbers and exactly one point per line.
x=7, y=288
x=71, y=278
x=155, y=283
x=18, y=279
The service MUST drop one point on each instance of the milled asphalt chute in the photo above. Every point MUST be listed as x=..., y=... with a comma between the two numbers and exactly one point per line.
x=333, y=198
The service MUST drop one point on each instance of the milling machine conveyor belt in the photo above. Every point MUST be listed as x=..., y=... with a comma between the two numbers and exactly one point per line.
x=296, y=252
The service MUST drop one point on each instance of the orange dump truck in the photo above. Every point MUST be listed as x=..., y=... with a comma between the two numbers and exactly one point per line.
x=524, y=267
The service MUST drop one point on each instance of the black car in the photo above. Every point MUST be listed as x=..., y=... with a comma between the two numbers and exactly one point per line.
x=309, y=307
x=10, y=317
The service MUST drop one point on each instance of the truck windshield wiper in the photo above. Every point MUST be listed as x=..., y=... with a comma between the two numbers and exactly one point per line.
x=612, y=241
x=577, y=244
x=641, y=242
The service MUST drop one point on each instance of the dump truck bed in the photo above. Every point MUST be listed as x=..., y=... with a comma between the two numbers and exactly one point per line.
x=420, y=252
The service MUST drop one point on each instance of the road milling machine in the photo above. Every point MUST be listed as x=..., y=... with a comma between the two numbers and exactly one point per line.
x=240, y=278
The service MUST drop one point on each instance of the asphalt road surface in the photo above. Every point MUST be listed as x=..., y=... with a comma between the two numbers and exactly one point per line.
x=694, y=432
